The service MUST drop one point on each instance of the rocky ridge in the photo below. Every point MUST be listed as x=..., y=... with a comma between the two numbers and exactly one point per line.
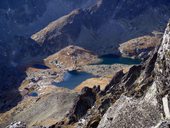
x=78, y=28
x=108, y=22
x=145, y=85
x=141, y=94
x=23, y=18
x=136, y=99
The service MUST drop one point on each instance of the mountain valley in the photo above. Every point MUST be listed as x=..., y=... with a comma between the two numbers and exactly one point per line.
x=84, y=64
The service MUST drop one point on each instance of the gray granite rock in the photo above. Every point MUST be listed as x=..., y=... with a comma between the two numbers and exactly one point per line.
x=152, y=109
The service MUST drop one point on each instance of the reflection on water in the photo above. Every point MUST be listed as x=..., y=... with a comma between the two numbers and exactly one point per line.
x=111, y=59
x=73, y=79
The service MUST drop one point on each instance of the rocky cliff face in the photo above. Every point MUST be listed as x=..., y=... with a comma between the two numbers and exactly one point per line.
x=162, y=64
x=136, y=99
x=152, y=109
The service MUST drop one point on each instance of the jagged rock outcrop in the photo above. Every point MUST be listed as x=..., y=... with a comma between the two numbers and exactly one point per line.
x=163, y=61
x=152, y=109
x=85, y=101
x=162, y=70
x=88, y=27
x=136, y=99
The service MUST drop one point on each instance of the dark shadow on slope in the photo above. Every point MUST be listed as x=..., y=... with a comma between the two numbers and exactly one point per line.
x=10, y=78
x=15, y=57
x=104, y=25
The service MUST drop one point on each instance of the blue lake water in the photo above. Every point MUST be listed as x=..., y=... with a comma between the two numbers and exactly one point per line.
x=73, y=79
x=33, y=94
x=111, y=59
